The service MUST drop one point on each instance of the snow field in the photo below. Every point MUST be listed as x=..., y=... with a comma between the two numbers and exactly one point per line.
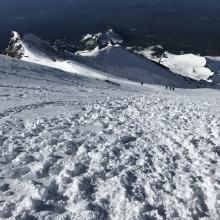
x=189, y=65
x=151, y=156
x=73, y=147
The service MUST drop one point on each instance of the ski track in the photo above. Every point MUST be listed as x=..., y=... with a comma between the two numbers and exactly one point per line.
x=40, y=89
x=19, y=109
x=147, y=156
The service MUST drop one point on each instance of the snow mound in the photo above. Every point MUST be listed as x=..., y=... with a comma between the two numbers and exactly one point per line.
x=88, y=53
x=189, y=65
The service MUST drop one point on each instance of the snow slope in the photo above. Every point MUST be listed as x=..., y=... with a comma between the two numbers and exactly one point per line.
x=34, y=50
x=73, y=147
x=120, y=62
x=101, y=40
x=153, y=52
x=189, y=65
x=213, y=63
x=101, y=63
x=89, y=53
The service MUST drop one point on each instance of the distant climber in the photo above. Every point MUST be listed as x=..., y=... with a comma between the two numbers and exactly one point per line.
x=142, y=83
x=166, y=87
x=54, y=59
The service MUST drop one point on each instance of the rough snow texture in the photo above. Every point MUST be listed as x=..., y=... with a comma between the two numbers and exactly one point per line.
x=79, y=148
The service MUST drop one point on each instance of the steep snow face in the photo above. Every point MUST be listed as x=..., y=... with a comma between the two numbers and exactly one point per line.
x=153, y=52
x=89, y=53
x=92, y=53
x=189, y=65
x=213, y=63
x=32, y=49
x=78, y=148
x=111, y=61
x=125, y=64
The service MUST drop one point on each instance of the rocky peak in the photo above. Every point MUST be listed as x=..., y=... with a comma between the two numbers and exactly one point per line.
x=15, y=48
x=100, y=40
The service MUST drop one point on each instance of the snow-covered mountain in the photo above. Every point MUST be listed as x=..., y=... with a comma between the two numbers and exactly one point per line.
x=92, y=44
x=101, y=40
x=190, y=65
x=77, y=147
x=30, y=48
x=213, y=63
x=100, y=62
x=120, y=62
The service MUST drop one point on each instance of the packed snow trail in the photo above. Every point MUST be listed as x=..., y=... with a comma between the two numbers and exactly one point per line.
x=152, y=156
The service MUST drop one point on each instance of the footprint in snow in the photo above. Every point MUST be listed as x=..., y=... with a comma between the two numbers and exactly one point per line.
x=127, y=139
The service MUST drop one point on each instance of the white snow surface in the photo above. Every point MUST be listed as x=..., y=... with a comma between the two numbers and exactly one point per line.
x=31, y=53
x=120, y=62
x=189, y=65
x=95, y=52
x=88, y=53
x=73, y=147
x=112, y=60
